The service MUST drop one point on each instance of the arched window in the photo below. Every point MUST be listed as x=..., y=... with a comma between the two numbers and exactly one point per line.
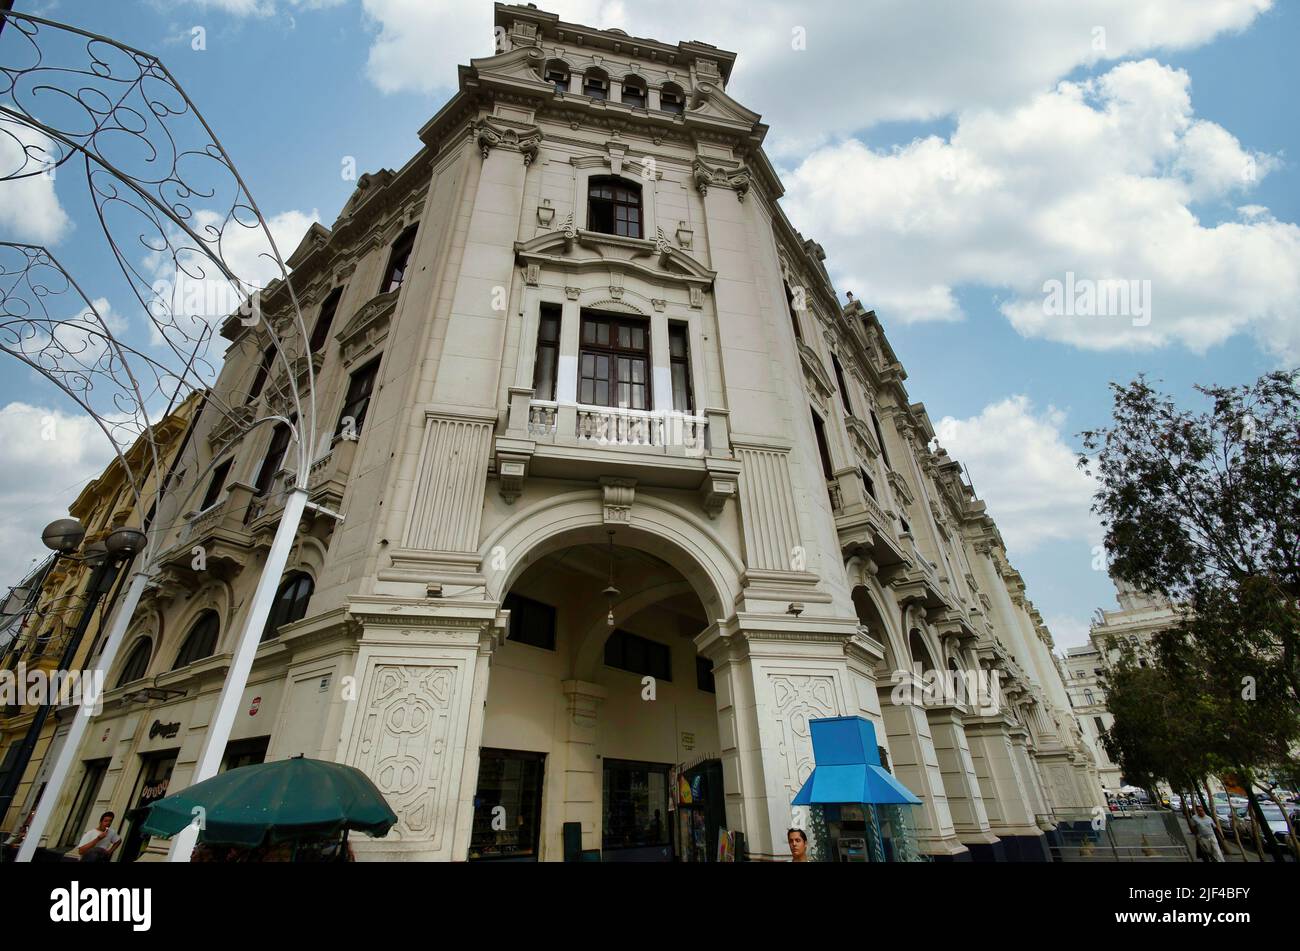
x=595, y=84
x=259, y=380
x=614, y=207
x=201, y=642
x=557, y=74
x=290, y=603
x=1087, y=697
x=320, y=333
x=634, y=93
x=920, y=654
x=671, y=99
x=137, y=662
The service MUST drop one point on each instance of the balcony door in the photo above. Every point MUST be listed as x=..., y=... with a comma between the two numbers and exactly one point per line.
x=614, y=362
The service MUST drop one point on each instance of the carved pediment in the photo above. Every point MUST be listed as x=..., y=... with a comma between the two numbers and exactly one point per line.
x=815, y=372
x=708, y=99
x=368, y=326
x=580, y=250
x=525, y=63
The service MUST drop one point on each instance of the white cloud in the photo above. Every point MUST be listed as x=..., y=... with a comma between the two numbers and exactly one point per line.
x=1026, y=472
x=1068, y=630
x=1097, y=178
x=867, y=62
x=29, y=208
x=259, y=8
x=42, y=476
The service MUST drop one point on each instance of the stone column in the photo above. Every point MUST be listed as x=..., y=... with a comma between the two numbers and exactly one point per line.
x=415, y=720
x=583, y=775
x=965, y=800
x=1008, y=800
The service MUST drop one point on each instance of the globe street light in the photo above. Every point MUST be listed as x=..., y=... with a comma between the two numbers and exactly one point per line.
x=63, y=535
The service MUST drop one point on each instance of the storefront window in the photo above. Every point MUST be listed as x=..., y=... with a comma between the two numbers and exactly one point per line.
x=635, y=805
x=79, y=818
x=155, y=774
x=507, y=805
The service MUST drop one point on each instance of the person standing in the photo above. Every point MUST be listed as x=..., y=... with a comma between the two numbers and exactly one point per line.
x=99, y=843
x=1207, y=844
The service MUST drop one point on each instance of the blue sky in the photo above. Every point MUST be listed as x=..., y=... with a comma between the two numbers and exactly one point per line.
x=1126, y=171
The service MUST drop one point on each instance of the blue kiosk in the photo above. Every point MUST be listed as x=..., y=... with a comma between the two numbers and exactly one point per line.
x=859, y=811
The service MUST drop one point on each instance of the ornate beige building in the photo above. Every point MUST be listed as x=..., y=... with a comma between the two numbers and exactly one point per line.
x=628, y=495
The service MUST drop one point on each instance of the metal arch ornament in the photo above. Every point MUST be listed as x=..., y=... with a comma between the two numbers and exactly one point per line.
x=162, y=185
x=174, y=212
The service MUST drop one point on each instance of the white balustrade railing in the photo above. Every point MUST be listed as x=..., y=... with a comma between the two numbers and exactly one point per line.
x=614, y=426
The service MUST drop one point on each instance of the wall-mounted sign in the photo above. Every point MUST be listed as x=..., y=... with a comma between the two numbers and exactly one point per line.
x=688, y=741
x=252, y=710
x=165, y=730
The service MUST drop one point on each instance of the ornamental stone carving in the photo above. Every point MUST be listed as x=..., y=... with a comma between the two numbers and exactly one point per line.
x=492, y=133
x=706, y=176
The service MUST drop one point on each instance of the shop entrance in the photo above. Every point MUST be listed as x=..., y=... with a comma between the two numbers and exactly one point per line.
x=155, y=775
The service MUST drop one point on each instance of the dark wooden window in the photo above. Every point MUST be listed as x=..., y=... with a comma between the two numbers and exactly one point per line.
x=557, y=74
x=137, y=662
x=672, y=100
x=1100, y=725
x=839, y=381
x=357, y=402
x=290, y=603
x=868, y=483
x=794, y=315
x=245, y=753
x=273, y=460
x=548, y=352
x=704, y=675
x=531, y=622
x=399, y=259
x=596, y=85
x=635, y=805
x=639, y=655
x=216, y=484
x=614, y=363
x=320, y=333
x=614, y=207
x=259, y=379
x=201, y=641
x=679, y=359
x=511, y=780
x=87, y=792
x=823, y=448
x=633, y=92
x=880, y=438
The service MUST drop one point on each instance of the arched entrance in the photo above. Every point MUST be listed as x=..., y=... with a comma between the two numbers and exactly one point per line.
x=598, y=705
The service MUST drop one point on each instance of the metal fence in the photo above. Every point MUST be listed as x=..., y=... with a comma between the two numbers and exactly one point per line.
x=1135, y=835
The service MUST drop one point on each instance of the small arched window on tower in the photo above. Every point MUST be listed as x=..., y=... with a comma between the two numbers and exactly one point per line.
x=290, y=603
x=557, y=74
x=595, y=84
x=634, y=92
x=614, y=207
x=671, y=99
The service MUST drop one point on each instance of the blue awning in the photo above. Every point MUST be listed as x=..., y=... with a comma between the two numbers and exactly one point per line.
x=848, y=767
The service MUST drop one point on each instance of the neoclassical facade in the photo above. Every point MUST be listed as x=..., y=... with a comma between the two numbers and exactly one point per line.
x=629, y=496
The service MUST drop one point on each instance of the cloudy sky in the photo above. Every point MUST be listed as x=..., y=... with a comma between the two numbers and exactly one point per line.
x=953, y=158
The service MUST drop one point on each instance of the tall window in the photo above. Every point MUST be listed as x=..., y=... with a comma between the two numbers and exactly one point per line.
x=671, y=99
x=679, y=357
x=633, y=92
x=259, y=379
x=596, y=84
x=823, y=448
x=201, y=642
x=839, y=380
x=215, y=485
x=509, y=782
x=531, y=622
x=557, y=74
x=87, y=793
x=868, y=483
x=357, y=402
x=639, y=655
x=290, y=603
x=794, y=315
x=320, y=333
x=635, y=805
x=614, y=207
x=137, y=662
x=548, y=352
x=880, y=438
x=273, y=460
x=614, y=363
x=399, y=259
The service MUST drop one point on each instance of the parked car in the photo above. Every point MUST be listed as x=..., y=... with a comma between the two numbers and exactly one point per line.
x=1275, y=836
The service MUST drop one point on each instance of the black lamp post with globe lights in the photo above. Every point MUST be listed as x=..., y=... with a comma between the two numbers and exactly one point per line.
x=105, y=559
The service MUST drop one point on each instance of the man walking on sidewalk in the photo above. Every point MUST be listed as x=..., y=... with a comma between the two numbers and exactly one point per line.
x=1206, y=842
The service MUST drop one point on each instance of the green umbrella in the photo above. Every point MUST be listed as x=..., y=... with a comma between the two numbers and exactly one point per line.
x=285, y=799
